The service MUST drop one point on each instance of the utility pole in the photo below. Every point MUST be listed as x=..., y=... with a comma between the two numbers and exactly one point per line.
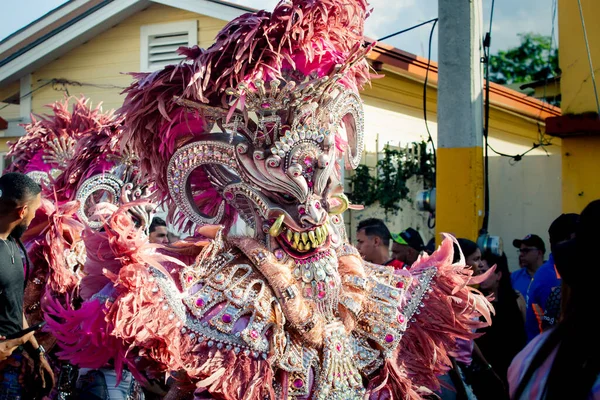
x=460, y=172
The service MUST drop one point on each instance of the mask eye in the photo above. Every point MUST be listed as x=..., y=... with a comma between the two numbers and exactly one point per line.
x=287, y=197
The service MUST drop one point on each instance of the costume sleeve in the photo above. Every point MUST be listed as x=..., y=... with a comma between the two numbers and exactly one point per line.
x=438, y=308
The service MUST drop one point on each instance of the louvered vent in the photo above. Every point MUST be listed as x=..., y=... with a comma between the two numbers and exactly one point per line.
x=162, y=49
x=159, y=43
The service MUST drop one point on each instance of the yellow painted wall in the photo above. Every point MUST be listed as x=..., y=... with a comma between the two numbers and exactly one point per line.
x=576, y=83
x=580, y=172
x=104, y=59
x=580, y=155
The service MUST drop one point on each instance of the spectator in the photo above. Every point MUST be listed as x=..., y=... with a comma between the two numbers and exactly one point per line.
x=173, y=237
x=531, y=257
x=430, y=246
x=407, y=246
x=543, y=307
x=505, y=337
x=19, y=200
x=373, y=243
x=564, y=361
x=158, y=231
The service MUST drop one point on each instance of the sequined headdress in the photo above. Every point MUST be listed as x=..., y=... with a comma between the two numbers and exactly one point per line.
x=256, y=124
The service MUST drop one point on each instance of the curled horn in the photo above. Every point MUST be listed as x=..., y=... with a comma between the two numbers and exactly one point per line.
x=185, y=161
x=347, y=109
x=106, y=182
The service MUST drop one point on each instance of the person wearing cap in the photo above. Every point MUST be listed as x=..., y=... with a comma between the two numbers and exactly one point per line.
x=406, y=246
x=531, y=257
x=543, y=307
x=373, y=243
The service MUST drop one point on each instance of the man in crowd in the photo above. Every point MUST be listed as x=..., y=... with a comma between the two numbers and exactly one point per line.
x=19, y=200
x=373, y=242
x=406, y=246
x=543, y=305
x=531, y=257
x=158, y=231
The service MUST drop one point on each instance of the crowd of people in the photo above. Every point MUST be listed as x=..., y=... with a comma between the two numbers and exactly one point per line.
x=99, y=301
x=517, y=356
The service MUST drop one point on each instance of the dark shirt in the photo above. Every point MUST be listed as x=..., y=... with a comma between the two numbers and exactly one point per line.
x=12, y=282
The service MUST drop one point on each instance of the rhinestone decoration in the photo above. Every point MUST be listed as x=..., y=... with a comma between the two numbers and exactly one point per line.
x=103, y=182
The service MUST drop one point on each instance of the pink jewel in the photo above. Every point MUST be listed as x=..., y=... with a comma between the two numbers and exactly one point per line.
x=400, y=285
x=308, y=292
x=338, y=347
x=321, y=286
x=389, y=338
x=401, y=318
x=310, y=184
x=302, y=210
x=257, y=157
x=190, y=278
x=200, y=302
x=308, y=160
x=309, y=170
x=254, y=334
x=226, y=318
x=279, y=254
x=266, y=105
x=298, y=383
x=317, y=205
x=322, y=294
x=229, y=196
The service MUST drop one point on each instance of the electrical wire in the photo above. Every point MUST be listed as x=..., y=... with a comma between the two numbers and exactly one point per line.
x=487, y=41
x=587, y=47
x=55, y=82
x=430, y=139
x=29, y=93
x=407, y=29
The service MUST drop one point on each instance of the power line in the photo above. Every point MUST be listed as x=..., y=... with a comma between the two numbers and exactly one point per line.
x=65, y=82
x=425, y=98
x=407, y=29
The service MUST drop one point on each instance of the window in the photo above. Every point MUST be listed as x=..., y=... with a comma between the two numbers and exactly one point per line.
x=159, y=43
x=3, y=162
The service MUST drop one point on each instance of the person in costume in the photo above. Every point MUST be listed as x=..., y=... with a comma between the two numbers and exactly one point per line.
x=76, y=156
x=255, y=128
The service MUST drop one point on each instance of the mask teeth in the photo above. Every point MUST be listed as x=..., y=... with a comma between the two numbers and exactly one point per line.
x=304, y=241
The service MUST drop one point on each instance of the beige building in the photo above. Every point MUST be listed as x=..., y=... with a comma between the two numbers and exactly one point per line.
x=87, y=47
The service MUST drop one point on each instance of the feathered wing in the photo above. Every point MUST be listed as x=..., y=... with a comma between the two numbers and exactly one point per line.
x=440, y=308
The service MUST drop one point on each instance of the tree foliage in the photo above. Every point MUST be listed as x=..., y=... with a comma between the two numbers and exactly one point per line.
x=533, y=60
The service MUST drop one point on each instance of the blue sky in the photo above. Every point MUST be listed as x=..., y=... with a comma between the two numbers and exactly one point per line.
x=510, y=18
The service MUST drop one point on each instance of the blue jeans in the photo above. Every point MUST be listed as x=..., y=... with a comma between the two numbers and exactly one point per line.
x=101, y=384
x=10, y=388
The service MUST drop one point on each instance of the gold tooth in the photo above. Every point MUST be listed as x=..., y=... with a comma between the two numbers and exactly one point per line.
x=289, y=235
x=301, y=246
x=294, y=246
x=319, y=234
x=276, y=228
x=314, y=245
x=325, y=230
x=304, y=237
x=296, y=238
x=313, y=239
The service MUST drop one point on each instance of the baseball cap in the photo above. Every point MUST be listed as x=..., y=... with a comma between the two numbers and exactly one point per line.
x=563, y=227
x=530, y=240
x=409, y=237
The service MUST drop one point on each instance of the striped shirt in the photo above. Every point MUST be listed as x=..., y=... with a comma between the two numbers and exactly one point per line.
x=535, y=387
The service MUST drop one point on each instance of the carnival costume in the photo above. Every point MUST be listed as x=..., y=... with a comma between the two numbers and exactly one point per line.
x=255, y=127
x=77, y=159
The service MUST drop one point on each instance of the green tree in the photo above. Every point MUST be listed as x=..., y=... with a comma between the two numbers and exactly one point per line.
x=533, y=60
